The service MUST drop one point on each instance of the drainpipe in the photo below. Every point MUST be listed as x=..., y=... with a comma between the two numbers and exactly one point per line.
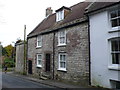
x=89, y=50
x=27, y=57
x=53, y=53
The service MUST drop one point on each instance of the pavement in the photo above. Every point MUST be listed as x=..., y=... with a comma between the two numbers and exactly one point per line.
x=53, y=83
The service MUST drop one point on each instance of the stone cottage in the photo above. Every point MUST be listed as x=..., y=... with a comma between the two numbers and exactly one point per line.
x=58, y=48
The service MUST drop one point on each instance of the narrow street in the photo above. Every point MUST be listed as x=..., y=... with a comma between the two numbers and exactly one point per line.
x=10, y=81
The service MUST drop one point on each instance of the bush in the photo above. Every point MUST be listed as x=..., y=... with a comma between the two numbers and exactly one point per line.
x=9, y=62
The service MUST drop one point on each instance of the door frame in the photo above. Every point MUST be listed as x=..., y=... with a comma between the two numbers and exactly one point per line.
x=29, y=66
x=47, y=63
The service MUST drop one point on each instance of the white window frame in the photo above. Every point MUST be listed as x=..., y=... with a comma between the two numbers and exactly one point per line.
x=113, y=66
x=60, y=15
x=60, y=43
x=62, y=61
x=117, y=17
x=115, y=52
x=39, y=65
x=39, y=40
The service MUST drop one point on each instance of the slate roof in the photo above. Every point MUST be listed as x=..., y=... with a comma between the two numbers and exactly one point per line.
x=50, y=24
x=95, y=6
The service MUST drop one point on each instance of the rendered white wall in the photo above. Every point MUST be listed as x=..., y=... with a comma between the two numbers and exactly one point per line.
x=100, y=50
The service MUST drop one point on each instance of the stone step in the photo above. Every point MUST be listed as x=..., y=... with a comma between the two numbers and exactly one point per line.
x=43, y=78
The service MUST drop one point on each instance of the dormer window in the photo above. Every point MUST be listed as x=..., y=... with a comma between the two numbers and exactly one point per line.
x=60, y=15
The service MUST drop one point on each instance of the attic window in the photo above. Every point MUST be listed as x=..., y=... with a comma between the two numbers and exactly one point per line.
x=60, y=15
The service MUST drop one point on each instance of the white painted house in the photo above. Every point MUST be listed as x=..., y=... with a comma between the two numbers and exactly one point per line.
x=105, y=43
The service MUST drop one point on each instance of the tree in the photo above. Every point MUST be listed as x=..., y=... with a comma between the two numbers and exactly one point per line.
x=9, y=50
x=4, y=52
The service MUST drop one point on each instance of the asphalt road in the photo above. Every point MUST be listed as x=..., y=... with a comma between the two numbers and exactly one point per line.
x=10, y=81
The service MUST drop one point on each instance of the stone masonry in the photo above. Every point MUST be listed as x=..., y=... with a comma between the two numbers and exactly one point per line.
x=47, y=47
x=77, y=55
x=19, y=57
x=77, y=51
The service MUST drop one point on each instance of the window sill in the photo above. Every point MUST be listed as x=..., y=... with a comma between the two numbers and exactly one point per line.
x=64, y=70
x=38, y=66
x=115, y=29
x=114, y=67
x=38, y=47
x=61, y=45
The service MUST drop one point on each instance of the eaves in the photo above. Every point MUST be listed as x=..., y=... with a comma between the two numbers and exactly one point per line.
x=66, y=25
x=100, y=9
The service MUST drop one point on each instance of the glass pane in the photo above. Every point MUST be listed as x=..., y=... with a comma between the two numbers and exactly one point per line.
x=119, y=12
x=60, y=57
x=60, y=34
x=115, y=58
x=113, y=14
x=114, y=23
x=58, y=15
x=39, y=62
x=61, y=14
x=118, y=85
x=39, y=43
x=62, y=65
x=39, y=56
x=119, y=45
x=114, y=45
x=39, y=38
x=63, y=57
x=118, y=21
x=61, y=40
x=119, y=59
x=63, y=33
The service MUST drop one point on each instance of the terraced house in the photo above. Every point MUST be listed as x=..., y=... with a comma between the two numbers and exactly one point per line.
x=104, y=22
x=58, y=48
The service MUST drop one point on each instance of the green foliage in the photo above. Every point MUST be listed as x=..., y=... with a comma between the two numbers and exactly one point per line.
x=4, y=52
x=9, y=50
x=9, y=62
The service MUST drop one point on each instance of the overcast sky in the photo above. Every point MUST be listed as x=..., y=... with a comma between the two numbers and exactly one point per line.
x=14, y=14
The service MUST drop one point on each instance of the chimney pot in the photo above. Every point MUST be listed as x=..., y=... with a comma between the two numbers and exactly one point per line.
x=48, y=11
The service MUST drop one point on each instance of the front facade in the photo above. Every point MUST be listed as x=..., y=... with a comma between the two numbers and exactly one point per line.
x=105, y=44
x=61, y=51
x=19, y=64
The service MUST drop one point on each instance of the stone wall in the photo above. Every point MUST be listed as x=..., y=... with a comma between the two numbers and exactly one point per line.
x=77, y=55
x=77, y=51
x=19, y=66
x=47, y=47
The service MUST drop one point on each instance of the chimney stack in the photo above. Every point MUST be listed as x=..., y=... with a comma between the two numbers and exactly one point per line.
x=48, y=11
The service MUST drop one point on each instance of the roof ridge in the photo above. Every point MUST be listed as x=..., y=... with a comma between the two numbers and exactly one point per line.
x=50, y=22
x=76, y=4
